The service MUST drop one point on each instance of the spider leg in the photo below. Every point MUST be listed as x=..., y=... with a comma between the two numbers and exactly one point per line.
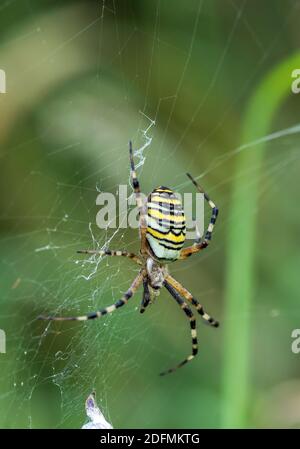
x=90, y=316
x=199, y=245
x=146, y=296
x=192, y=320
x=108, y=252
x=189, y=297
x=139, y=201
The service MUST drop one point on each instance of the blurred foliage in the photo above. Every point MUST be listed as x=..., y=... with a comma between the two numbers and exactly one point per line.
x=79, y=74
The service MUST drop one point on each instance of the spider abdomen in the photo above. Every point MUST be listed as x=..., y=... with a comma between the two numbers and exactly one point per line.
x=165, y=224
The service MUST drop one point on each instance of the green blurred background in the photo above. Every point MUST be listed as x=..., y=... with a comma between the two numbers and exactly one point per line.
x=215, y=76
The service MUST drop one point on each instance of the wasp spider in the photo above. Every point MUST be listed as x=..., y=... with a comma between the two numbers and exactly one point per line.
x=162, y=234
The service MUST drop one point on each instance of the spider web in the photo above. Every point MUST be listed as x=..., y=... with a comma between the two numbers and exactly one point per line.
x=73, y=145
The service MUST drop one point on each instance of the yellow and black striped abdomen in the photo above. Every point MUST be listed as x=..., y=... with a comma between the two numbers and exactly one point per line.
x=165, y=224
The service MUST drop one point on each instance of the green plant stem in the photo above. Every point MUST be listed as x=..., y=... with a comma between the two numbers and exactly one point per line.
x=241, y=243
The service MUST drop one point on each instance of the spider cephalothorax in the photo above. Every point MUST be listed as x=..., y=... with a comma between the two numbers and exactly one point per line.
x=156, y=273
x=162, y=234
